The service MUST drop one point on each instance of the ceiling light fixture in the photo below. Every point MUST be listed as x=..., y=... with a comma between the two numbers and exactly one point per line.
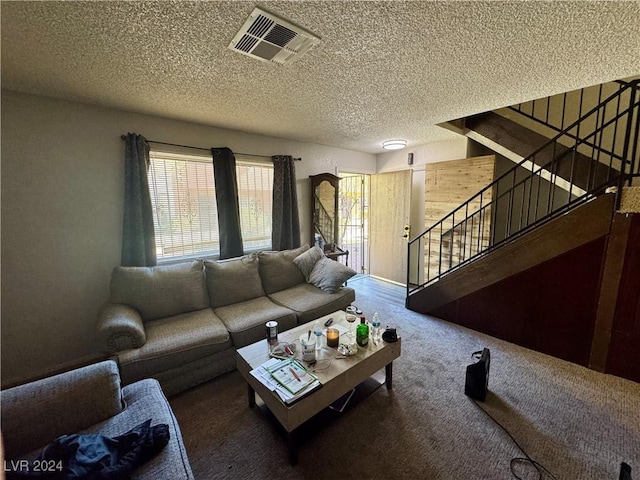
x=394, y=144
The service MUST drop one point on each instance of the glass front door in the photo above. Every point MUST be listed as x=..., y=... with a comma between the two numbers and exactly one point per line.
x=353, y=202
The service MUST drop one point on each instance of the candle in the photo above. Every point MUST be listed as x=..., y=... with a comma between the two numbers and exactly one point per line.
x=333, y=335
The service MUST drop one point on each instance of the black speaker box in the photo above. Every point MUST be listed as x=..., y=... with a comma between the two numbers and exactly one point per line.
x=477, y=378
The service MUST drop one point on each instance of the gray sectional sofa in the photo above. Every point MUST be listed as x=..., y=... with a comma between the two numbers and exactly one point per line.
x=182, y=323
x=88, y=400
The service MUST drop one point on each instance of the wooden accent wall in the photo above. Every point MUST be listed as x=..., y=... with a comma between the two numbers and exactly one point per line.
x=613, y=266
x=570, y=289
x=447, y=186
x=624, y=352
x=549, y=308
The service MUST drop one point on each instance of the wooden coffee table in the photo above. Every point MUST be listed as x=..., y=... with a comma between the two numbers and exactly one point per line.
x=337, y=375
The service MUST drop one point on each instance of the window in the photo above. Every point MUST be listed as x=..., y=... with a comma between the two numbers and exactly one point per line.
x=185, y=214
x=255, y=192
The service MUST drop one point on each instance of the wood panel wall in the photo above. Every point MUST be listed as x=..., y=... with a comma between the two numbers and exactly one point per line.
x=447, y=186
x=549, y=308
x=570, y=289
x=624, y=354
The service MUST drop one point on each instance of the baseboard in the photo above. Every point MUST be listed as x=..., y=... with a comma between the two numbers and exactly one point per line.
x=388, y=281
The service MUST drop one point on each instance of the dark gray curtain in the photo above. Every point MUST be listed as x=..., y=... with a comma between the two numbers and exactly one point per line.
x=138, y=236
x=285, y=232
x=224, y=172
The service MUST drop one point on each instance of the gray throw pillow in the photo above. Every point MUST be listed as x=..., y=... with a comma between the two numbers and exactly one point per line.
x=307, y=260
x=329, y=275
x=233, y=281
x=277, y=270
x=161, y=291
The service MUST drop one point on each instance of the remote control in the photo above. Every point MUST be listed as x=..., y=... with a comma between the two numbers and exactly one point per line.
x=328, y=322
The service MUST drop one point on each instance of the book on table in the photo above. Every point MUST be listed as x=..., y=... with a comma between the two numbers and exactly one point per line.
x=292, y=376
x=264, y=373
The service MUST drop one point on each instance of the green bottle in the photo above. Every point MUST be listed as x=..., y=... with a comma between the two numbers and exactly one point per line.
x=362, y=333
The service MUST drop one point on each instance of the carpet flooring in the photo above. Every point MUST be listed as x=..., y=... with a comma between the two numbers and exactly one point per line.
x=577, y=423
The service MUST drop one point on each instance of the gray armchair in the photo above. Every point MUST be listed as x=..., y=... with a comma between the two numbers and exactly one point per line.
x=89, y=400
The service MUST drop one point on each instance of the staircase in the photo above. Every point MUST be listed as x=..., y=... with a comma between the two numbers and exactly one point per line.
x=552, y=212
x=548, y=182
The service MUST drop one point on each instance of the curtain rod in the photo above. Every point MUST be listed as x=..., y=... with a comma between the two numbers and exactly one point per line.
x=124, y=137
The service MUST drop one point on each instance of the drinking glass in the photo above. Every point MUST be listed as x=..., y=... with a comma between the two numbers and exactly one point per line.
x=351, y=316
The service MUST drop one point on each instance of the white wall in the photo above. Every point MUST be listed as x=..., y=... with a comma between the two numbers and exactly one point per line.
x=454, y=149
x=62, y=195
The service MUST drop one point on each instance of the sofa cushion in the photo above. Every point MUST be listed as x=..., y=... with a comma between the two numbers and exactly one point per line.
x=144, y=399
x=310, y=302
x=307, y=260
x=329, y=275
x=277, y=270
x=161, y=291
x=246, y=320
x=232, y=281
x=173, y=341
x=35, y=413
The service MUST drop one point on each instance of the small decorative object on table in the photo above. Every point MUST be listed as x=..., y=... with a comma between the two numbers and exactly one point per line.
x=272, y=335
x=317, y=331
x=346, y=350
x=284, y=350
x=375, y=328
x=333, y=337
x=351, y=316
x=362, y=333
x=390, y=335
x=308, y=343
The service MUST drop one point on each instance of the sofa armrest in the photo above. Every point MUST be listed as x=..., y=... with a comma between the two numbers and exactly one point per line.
x=120, y=327
x=36, y=413
x=145, y=399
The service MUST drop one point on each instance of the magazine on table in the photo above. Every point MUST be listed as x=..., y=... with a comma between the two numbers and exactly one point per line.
x=291, y=375
x=264, y=375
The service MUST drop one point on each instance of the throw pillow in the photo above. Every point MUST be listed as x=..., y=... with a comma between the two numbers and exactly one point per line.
x=278, y=271
x=161, y=291
x=307, y=260
x=233, y=281
x=329, y=275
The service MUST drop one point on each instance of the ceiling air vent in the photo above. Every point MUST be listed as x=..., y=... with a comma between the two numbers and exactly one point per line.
x=272, y=39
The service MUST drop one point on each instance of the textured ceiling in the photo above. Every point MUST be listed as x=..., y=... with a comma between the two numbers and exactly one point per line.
x=382, y=70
